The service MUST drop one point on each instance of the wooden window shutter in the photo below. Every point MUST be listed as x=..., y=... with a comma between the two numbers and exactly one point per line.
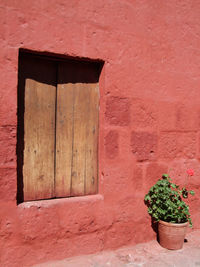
x=39, y=128
x=77, y=129
x=61, y=106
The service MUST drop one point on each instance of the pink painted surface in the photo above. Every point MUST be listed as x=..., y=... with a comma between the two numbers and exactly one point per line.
x=149, y=119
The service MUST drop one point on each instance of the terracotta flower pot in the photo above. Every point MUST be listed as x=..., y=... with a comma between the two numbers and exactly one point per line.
x=172, y=235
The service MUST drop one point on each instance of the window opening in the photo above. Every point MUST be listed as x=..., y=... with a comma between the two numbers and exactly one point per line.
x=58, y=110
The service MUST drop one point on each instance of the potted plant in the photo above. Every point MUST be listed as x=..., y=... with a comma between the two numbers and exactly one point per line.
x=166, y=206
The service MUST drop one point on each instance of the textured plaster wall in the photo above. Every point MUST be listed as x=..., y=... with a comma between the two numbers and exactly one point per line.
x=149, y=119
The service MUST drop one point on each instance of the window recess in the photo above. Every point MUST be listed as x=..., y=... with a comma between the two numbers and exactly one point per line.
x=58, y=110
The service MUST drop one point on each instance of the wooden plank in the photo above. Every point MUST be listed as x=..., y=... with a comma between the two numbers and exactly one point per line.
x=64, y=133
x=85, y=141
x=91, y=176
x=79, y=138
x=39, y=129
x=81, y=81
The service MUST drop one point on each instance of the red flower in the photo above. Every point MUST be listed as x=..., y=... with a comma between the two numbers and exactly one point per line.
x=190, y=172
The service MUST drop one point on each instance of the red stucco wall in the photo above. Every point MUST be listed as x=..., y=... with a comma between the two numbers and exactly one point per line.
x=149, y=119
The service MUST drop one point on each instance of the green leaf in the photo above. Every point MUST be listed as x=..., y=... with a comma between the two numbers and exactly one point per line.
x=147, y=198
x=192, y=192
x=173, y=185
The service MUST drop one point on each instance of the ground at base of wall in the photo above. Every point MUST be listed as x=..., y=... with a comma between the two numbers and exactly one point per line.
x=150, y=254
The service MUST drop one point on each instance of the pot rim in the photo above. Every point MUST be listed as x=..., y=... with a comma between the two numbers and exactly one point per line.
x=173, y=224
